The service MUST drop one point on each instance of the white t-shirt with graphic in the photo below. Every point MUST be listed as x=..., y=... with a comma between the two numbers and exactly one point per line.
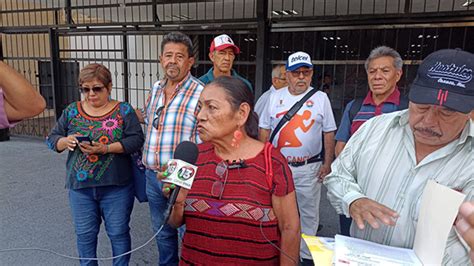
x=301, y=137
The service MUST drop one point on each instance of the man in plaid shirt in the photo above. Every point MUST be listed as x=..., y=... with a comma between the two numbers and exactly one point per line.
x=170, y=118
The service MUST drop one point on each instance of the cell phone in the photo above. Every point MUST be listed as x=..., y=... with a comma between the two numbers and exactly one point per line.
x=84, y=139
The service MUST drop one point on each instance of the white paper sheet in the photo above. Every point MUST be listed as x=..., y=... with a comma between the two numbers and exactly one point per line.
x=353, y=251
x=438, y=209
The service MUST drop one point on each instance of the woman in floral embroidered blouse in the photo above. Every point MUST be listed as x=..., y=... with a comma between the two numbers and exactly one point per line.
x=98, y=173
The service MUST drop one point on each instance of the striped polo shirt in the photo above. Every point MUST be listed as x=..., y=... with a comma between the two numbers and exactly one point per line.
x=368, y=110
x=176, y=120
x=379, y=162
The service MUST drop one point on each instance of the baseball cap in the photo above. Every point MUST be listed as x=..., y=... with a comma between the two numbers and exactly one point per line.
x=445, y=78
x=297, y=60
x=222, y=42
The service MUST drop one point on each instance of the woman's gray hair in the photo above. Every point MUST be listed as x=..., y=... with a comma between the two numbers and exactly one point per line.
x=385, y=51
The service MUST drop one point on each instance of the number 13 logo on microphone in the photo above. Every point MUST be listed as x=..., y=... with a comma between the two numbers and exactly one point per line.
x=180, y=173
x=186, y=173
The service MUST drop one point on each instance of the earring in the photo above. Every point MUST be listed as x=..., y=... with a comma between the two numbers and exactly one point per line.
x=237, y=138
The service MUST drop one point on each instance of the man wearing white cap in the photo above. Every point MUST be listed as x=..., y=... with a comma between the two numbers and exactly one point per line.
x=300, y=140
x=222, y=54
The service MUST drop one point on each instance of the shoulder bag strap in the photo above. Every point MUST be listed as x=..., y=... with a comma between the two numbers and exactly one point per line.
x=267, y=153
x=293, y=110
x=355, y=108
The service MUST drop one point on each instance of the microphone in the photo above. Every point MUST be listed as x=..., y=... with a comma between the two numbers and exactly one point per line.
x=182, y=171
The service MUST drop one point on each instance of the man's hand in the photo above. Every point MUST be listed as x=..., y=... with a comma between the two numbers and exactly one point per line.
x=465, y=225
x=365, y=209
x=324, y=170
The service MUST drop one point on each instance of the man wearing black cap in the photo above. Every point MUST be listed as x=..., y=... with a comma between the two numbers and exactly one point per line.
x=379, y=177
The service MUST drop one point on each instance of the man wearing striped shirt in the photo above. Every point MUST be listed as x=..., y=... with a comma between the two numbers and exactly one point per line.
x=379, y=177
x=170, y=118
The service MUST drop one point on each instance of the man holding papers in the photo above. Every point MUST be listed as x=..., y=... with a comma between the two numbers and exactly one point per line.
x=379, y=177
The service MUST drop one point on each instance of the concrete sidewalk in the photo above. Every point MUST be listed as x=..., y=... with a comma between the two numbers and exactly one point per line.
x=34, y=210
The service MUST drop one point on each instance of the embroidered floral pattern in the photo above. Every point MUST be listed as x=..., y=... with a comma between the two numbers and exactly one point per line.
x=104, y=140
x=126, y=108
x=72, y=112
x=93, y=158
x=106, y=129
x=110, y=125
x=81, y=175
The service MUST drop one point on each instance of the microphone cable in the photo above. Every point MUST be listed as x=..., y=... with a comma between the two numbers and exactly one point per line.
x=261, y=226
x=79, y=258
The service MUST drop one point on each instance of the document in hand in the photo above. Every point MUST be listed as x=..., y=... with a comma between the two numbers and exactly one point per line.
x=438, y=210
x=353, y=251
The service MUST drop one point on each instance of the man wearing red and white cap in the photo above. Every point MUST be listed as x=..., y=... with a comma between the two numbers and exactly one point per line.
x=222, y=54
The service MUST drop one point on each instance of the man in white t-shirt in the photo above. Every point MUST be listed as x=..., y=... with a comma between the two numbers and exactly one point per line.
x=301, y=139
x=278, y=82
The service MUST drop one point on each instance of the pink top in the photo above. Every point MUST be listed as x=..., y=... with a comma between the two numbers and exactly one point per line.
x=4, y=123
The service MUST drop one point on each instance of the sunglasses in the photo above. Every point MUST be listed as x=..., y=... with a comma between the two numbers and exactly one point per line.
x=156, y=121
x=94, y=89
x=305, y=73
x=219, y=185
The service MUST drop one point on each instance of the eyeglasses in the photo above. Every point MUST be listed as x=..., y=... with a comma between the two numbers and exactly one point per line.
x=305, y=73
x=94, y=89
x=219, y=185
x=157, y=118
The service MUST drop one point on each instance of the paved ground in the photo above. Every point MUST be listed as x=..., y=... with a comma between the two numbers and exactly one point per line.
x=34, y=210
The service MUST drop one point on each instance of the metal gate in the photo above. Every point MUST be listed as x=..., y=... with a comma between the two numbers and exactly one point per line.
x=49, y=41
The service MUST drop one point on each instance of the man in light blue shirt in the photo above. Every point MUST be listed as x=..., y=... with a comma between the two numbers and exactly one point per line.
x=379, y=177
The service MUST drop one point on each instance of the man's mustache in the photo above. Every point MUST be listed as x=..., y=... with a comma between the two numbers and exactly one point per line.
x=429, y=131
x=171, y=65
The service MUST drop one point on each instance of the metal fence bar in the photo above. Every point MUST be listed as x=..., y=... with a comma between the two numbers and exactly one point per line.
x=262, y=44
x=125, y=67
x=129, y=46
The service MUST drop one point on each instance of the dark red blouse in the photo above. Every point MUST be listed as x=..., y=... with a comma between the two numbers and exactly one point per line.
x=236, y=229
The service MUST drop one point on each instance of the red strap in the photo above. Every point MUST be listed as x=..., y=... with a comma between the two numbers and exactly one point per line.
x=267, y=153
